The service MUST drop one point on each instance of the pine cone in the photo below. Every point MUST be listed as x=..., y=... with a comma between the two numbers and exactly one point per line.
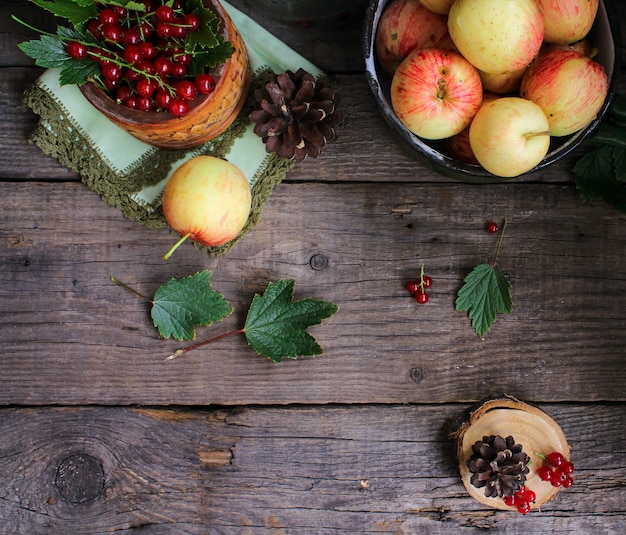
x=296, y=114
x=499, y=465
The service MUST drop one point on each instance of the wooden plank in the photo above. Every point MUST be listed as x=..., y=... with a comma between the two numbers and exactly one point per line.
x=360, y=469
x=71, y=336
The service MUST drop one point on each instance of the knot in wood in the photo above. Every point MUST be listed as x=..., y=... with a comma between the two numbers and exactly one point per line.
x=416, y=375
x=318, y=262
x=79, y=478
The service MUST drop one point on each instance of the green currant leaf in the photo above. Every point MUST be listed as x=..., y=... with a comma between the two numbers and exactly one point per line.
x=595, y=176
x=181, y=304
x=78, y=71
x=208, y=35
x=619, y=164
x=484, y=293
x=275, y=325
x=48, y=51
x=75, y=11
x=210, y=58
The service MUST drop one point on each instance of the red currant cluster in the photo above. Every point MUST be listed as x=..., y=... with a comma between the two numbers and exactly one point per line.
x=521, y=499
x=418, y=288
x=557, y=470
x=142, y=56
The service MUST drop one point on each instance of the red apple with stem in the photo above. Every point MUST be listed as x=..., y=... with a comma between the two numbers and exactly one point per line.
x=435, y=93
x=567, y=21
x=569, y=87
x=207, y=200
x=404, y=26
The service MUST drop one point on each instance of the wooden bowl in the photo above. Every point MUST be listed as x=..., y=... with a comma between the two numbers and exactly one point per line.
x=208, y=116
x=604, y=35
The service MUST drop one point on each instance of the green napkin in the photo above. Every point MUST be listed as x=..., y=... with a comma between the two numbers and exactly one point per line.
x=130, y=174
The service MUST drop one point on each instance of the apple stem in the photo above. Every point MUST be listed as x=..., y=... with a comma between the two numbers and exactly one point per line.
x=181, y=352
x=537, y=134
x=176, y=245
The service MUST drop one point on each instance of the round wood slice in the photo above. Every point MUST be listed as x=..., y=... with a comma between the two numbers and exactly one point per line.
x=532, y=428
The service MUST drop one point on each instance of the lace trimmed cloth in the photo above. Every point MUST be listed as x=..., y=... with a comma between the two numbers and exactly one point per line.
x=130, y=174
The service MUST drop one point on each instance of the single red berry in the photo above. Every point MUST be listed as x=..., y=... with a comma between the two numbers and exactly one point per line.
x=179, y=30
x=77, y=50
x=95, y=28
x=178, y=5
x=421, y=297
x=556, y=482
x=185, y=90
x=192, y=21
x=567, y=467
x=146, y=87
x=110, y=71
x=131, y=36
x=162, y=66
x=120, y=11
x=205, y=84
x=164, y=30
x=112, y=32
x=567, y=482
x=148, y=50
x=178, y=70
x=108, y=16
x=559, y=475
x=413, y=286
x=163, y=99
x=122, y=93
x=133, y=54
x=509, y=500
x=165, y=13
x=178, y=107
x=492, y=227
x=555, y=459
x=145, y=66
x=530, y=496
x=427, y=281
x=545, y=473
x=112, y=83
x=523, y=507
x=130, y=102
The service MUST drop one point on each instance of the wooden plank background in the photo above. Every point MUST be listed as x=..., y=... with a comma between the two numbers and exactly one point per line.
x=223, y=440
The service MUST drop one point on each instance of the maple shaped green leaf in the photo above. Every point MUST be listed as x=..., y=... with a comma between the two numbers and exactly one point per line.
x=181, y=304
x=276, y=324
x=484, y=293
x=75, y=11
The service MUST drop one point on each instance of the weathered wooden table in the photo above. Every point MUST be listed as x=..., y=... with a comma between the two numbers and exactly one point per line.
x=98, y=434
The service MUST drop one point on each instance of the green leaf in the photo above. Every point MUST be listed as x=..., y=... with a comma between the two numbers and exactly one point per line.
x=594, y=174
x=48, y=51
x=75, y=11
x=208, y=35
x=619, y=164
x=484, y=293
x=78, y=71
x=275, y=325
x=181, y=304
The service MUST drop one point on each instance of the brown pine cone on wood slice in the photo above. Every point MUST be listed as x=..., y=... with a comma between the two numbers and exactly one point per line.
x=499, y=446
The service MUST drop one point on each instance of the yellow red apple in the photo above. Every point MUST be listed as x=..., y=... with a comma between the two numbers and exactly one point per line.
x=438, y=6
x=567, y=21
x=404, y=26
x=435, y=93
x=207, y=200
x=502, y=83
x=569, y=87
x=496, y=36
x=509, y=136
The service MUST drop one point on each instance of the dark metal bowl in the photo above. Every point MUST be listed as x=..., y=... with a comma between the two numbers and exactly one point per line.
x=604, y=36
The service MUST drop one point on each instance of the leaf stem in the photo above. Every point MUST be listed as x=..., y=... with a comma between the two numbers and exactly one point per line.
x=16, y=19
x=495, y=256
x=181, y=352
x=123, y=285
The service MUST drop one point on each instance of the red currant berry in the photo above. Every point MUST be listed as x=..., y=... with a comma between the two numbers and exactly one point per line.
x=178, y=107
x=559, y=475
x=163, y=99
x=108, y=16
x=145, y=104
x=492, y=227
x=110, y=71
x=130, y=102
x=530, y=496
x=146, y=29
x=95, y=28
x=120, y=11
x=523, y=507
x=133, y=54
x=567, y=482
x=192, y=21
x=178, y=70
x=545, y=473
x=131, y=36
x=567, y=467
x=112, y=83
x=122, y=93
x=556, y=482
x=413, y=286
x=185, y=90
x=555, y=459
x=181, y=57
x=162, y=66
x=421, y=297
x=112, y=32
x=148, y=50
x=149, y=5
x=164, y=30
x=77, y=50
x=178, y=5
x=509, y=500
x=145, y=66
x=132, y=75
x=146, y=87
x=205, y=84
x=427, y=281
x=165, y=13
x=179, y=30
